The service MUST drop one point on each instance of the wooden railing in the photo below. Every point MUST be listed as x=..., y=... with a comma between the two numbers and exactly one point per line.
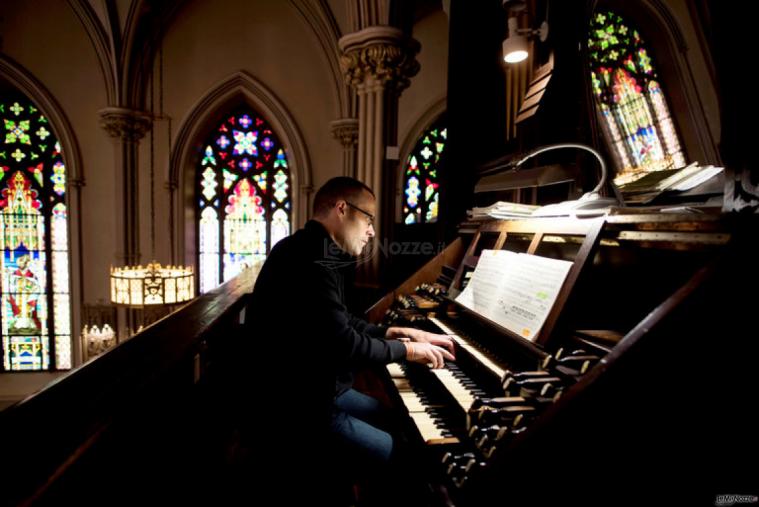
x=140, y=424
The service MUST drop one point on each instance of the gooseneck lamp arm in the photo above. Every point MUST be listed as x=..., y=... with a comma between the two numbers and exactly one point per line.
x=551, y=147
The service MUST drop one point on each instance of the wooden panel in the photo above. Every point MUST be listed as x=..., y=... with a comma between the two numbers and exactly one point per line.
x=533, y=98
x=526, y=113
x=535, y=243
x=582, y=261
x=450, y=256
x=534, y=94
x=569, y=226
x=54, y=430
x=469, y=253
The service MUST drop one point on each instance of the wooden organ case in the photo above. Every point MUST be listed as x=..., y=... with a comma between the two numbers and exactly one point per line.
x=643, y=365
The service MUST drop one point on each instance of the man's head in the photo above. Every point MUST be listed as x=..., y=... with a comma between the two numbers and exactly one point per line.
x=346, y=207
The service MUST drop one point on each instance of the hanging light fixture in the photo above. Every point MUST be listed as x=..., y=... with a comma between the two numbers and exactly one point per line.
x=153, y=285
x=515, y=48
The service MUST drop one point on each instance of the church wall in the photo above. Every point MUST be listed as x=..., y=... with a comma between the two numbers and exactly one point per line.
x=704, y=84
x=340, y=12
x=206, y=45
x=429, y=85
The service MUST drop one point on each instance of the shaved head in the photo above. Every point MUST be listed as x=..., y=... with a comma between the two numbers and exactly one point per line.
x=336, y=189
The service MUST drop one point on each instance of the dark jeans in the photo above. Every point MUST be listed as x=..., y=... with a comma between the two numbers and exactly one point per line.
x=356, y=425
x=373, y=454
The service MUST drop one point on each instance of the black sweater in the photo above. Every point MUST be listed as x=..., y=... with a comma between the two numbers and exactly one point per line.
x=298, y=319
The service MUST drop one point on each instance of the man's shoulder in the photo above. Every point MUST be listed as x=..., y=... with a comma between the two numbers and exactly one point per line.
x=296, y=253
x=298, y=258
x=298, y=244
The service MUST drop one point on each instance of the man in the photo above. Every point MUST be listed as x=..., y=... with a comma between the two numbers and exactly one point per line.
x=310, y=344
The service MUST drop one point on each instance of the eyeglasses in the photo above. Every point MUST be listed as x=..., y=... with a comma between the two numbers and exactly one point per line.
x=371, y=217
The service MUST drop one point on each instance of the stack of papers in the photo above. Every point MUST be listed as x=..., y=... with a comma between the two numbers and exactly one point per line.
x=502, y=210
x=671, y=181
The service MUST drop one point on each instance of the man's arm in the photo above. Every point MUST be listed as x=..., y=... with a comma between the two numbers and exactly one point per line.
x=349, y=338
x=362, y=325
x=355, y=347
x=395, y=333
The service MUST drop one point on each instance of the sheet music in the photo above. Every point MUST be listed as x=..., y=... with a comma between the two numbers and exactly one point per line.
x=528, y=294
x=485, y=282
x=516, y=291
x=695, y=180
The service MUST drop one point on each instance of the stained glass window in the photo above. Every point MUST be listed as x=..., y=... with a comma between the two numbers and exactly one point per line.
x=420, y=180
x=629, y=99
x=243, y=195
x=35, y=314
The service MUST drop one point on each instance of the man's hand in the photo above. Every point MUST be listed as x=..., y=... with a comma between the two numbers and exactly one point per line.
x=426, y=353
x=419, y=336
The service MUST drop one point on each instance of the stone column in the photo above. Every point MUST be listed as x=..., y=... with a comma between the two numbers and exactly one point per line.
x=378, y=61
x=76, y=185
x=126, y=127
x=345, y=130
x=171, y=187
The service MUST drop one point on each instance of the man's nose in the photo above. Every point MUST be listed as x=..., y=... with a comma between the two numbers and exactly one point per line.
x=370, y=232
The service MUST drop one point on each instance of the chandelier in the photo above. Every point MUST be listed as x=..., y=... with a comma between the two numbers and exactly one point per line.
x=153, y=285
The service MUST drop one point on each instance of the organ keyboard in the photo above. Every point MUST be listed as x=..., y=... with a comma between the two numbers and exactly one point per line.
x=431, y=428
x=493, y=413
x=468, y=346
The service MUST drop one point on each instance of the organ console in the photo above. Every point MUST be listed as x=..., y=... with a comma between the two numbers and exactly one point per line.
x=533, y=421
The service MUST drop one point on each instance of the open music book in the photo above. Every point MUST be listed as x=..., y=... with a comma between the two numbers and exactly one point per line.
x=669, y=181
x=515, y=290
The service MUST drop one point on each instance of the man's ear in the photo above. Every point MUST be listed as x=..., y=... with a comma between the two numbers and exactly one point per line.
x=341, y=207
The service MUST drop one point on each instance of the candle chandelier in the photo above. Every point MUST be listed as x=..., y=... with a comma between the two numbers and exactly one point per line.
x=152, y=285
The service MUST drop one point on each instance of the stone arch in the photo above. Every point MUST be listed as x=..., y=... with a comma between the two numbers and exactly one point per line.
x=25, y=82
x=239, y=88
x=660, y=29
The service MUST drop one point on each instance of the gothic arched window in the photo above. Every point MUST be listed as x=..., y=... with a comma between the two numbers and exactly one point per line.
x=630, y=101
x=35, y=315
x=243, y=196
x=420, y=178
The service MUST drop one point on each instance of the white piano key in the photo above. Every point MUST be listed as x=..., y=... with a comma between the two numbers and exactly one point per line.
x=466, y=345
x=460, y=393
x=417, y=409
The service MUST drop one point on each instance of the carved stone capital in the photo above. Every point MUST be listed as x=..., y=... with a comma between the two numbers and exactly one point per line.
x=381, y=55
x=345, y=130
x=125, y=124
